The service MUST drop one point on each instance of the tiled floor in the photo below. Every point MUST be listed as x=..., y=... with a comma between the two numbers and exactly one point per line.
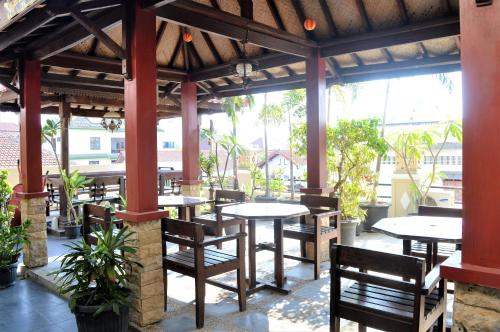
x=31, y=307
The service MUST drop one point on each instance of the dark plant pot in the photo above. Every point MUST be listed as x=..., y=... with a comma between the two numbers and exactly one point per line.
x=8, y=275
x=106, y=321
x=348, y=232
x=72, y=231
x=374, y=212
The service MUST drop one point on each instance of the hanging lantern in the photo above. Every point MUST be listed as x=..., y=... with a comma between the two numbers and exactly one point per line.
x=111, y=121
x=309, y=24
x=187, y=37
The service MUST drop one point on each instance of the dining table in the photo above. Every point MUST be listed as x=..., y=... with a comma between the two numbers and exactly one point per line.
x=184, y=204
x=426, y=229
x=277, y=212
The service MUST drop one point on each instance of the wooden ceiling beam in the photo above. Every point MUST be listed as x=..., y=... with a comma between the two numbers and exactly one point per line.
x=83, y=7
x=408, y=34
x=246, y=8
x=299, y=11
x=177, y=49
x=161, y=33
x=403, y=12
x=234, y=27
x=105, y=65
x=328, y=16
x=364, y=16
x=276, y=14
x=212, y=48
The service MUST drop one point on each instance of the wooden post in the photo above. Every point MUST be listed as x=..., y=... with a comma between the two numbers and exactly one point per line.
x=480, y=45
x=32, y=197
x=316, y=124
x=64, y=117
x=190, y=139
x=142, y=216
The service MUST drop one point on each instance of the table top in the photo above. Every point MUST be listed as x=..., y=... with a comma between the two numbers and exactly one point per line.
x=256, y=211
x=180, y=201
x=422, y=228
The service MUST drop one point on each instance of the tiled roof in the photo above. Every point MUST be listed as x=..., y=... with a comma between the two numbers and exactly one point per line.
x=10, y=148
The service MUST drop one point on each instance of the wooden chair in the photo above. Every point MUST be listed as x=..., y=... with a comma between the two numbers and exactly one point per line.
x=443, y=250
x=385, y=303
x=320, y=207
x=169, y=183
x=95, y=215
x=215, y=219
x=201, y=262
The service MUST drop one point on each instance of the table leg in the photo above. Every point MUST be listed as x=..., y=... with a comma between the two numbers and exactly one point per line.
x=278, y=253
x=434, y=254
x=251, y=255
x=428, y=257
x=182, y=215
x=406, y=247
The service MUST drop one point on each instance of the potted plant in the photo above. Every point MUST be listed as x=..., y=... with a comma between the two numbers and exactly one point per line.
x=96, y=277
x=352, y=145
x=72, y=183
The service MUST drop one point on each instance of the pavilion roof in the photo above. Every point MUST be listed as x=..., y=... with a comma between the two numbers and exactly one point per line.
x=359, y=39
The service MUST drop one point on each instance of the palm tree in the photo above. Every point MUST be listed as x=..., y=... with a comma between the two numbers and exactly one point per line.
x=293, y=104
x=233, y=105
x=270, y=114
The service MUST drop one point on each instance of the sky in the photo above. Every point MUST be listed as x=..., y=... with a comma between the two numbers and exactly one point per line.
x=417, y=98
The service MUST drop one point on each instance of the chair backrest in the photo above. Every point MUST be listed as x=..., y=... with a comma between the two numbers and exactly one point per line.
x=320, y=202
x=438, y=211
x=229, y=196
x=94, y=215
x=169, y=180
x=102, y=185
x=176, y=231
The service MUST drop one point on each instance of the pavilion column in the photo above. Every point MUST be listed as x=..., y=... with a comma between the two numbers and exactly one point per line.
x=64, y=118
x=32, y=197
x=142, y=216
x=316, y=125
x=190, y=140
x=476, y=271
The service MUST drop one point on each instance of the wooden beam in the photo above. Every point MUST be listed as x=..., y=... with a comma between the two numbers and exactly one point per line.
x=403, y=12
x=177, y=49
x=408, y=34
x=155, y=3
x=8, y=84
x=328, y=16
x=364, y=16
x=212, y=48
x=246, y=8
x=105, y=65
x=276, y=15
x=84, y=7
x=234, y=27
x=299, y=11
x=98, y=33
x=160, y=33
x=67, y=38
x=32, y=22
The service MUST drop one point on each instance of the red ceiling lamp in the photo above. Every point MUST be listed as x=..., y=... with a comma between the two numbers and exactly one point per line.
x=187, y=37
x=309, y=24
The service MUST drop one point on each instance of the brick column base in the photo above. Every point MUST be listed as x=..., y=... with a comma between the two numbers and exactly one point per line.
x=35, y=251
x=475, y=308
x=190, y=190
x=146, y=281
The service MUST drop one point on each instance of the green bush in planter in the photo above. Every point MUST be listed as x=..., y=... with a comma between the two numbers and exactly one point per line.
x=98, y=275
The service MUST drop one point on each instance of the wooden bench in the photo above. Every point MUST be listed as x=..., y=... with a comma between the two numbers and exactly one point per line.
x=320, y=207
x=443, y=250
x=215, y=219
x=202, y=261
x=383, y=302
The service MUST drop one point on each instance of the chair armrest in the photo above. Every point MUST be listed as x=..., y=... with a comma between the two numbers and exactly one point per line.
x=431, y=281
x=218, y=207
x=326, y=214
x=220, y=239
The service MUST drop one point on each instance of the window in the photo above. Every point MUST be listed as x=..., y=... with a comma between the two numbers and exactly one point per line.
x=117, y=144
x=93, y=162
x=95, y=143
x=459, y=160
x=453, y=160
x=169, y=145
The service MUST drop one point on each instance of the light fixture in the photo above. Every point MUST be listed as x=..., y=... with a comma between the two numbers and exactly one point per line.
x=309, y=24
x=245, y=68
x=111, y=121
x=187, y=37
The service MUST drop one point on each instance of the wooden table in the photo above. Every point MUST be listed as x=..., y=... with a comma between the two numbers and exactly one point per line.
x=266, y=211
x=430, y=230
x=182, y=203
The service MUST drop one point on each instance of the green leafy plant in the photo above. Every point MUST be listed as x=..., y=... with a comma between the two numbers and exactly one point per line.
x=411, y=147
x=352, y=146
x=72, y=183
x=98, y=275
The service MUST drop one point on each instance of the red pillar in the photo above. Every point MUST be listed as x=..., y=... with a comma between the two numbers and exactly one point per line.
x=480, y=56
x=140, y=116
x=316, y=124
x=30, y=138
x=190, y=134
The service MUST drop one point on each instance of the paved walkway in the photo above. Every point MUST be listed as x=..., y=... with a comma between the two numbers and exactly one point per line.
x=31, y=307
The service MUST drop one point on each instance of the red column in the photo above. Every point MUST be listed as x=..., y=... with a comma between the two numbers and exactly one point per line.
x=140, y=116
x=190, y=134
x=316, y=124
x=480, y=56
x=30, y=139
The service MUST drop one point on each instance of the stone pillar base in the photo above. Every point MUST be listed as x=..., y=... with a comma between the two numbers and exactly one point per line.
x=190, y=189
x=476, y=308
x=35, y=250
x=324, y=247
x=146, y=281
